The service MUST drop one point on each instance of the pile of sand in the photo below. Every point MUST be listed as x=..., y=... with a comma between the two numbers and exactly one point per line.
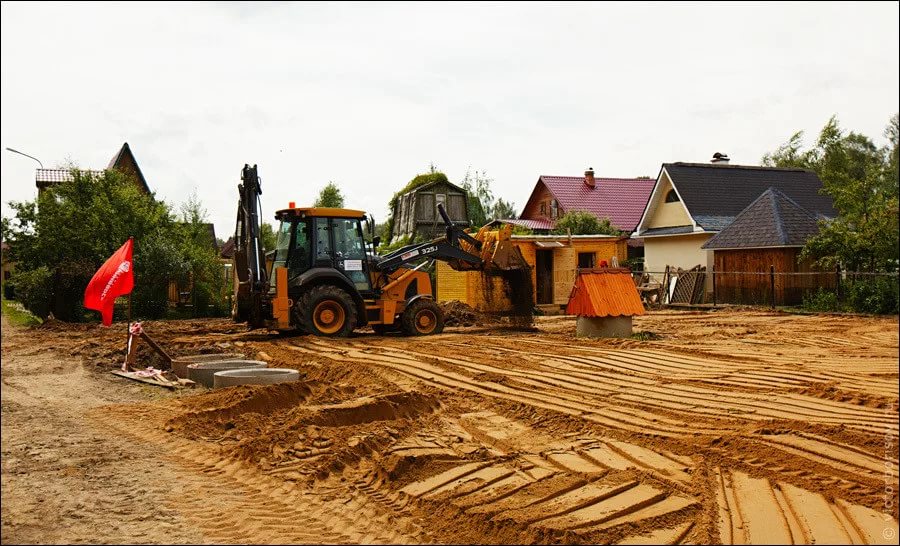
x=457, y=313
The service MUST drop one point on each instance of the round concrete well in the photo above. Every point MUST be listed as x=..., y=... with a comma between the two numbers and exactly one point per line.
x=180, y=364
x=202, y=372
x=603, y=327
x=256, y=376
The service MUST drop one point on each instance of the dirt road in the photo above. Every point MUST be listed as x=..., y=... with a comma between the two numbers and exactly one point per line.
x=732, y=427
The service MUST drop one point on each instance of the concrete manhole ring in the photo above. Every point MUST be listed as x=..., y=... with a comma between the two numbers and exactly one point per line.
x=255, y=376
x=180, y=364
x=202, y=372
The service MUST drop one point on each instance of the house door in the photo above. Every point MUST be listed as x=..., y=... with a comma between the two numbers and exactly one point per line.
x=544, y=273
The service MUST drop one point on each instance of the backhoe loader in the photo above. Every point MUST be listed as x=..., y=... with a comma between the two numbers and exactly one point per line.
x=326, y=279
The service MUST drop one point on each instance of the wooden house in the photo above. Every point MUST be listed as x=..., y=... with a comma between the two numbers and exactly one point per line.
x=416, y=215
x=692, y=202
x=621, y=200
x=554, y=261
x=768, y=234
x=124, y=161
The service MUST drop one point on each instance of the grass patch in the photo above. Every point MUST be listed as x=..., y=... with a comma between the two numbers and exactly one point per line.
x=645, y=336
x=18, y=315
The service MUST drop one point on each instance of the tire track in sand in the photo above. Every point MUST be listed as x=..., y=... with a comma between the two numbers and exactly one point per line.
x=234, y=502
x=756, y=511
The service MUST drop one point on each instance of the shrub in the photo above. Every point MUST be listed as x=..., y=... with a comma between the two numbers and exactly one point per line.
x=875, y=295
x=34, y=290
x=821, y=300
x=581, y=222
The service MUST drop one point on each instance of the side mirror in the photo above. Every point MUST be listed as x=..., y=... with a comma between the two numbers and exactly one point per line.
x=376, y=240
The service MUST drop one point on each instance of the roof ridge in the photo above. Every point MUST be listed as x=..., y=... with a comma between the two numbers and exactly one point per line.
x=776, y=213
x=748, y=167
x=596, y=177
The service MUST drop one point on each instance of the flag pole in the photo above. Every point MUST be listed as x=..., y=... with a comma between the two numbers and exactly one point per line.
x=129, y=294
x=128, y=329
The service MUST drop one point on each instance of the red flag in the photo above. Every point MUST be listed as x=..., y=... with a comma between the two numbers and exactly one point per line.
x=114, y=278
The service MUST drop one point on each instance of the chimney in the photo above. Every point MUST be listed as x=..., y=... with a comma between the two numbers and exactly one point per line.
x=589, y=177
x=719, y=157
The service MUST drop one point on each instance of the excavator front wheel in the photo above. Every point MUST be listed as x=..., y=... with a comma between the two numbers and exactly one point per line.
x=422, y=318
x=327, y=311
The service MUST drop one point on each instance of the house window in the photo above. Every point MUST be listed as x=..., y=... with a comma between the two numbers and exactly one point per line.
x=585, y=260
x=554, y=208
x=672, y=196
x=543, y=208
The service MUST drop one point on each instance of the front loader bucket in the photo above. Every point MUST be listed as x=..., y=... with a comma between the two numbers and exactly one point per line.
x=498, y=253
x=506, y=256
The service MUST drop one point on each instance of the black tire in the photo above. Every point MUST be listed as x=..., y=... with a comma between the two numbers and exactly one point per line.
x=327, y=311
x=422, y=318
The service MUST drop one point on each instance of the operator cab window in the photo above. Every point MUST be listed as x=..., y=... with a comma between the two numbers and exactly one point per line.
x=300, y=255
x=323, y=243
x=282, y=244
x=349, y=252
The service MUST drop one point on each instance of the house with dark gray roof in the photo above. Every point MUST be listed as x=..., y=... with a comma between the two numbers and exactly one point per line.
x=766, y=236
x=692, y=202
x=772, y=220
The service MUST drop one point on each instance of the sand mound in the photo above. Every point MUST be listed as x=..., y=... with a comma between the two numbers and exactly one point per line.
x=218, y=409
x=457, y=313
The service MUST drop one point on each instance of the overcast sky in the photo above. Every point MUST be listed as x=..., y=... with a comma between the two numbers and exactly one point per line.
x=367, y=95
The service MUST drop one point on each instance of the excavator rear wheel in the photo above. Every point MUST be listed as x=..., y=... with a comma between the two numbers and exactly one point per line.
x=422, y=318
x=327, y=311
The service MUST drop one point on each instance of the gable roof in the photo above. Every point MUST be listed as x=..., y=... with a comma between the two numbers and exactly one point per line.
x=228, y=248
x=433, y=183
x=622, y=200
x=714, y=193
x=604, y=292
x=125, y=161
x=772, y=220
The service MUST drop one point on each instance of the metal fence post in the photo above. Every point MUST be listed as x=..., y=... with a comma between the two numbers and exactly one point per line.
x=837, y=281
x=714, y=284
x=772, y=283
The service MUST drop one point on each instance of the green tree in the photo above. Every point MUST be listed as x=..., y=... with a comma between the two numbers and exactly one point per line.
x=862, y=181
x=330, y=196
x=482, y=206
x=267, y=236
x=73, y=227
x=61, y=238
x=583, y=223
x=503, y=209
x=202, y=271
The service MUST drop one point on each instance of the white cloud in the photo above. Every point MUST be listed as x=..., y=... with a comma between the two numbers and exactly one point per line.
x=368, y=94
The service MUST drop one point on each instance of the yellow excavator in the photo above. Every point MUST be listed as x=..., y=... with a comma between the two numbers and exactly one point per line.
x=326, y=279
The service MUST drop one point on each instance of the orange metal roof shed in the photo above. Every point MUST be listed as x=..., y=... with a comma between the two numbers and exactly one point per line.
x=606, y=292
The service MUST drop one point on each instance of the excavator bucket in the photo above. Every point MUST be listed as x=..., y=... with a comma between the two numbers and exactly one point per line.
x=498, y=253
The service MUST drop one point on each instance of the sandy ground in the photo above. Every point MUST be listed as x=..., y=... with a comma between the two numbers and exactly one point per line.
x=724, y=427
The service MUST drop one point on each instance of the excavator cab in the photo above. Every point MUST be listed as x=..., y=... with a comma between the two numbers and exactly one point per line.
x=310, y=238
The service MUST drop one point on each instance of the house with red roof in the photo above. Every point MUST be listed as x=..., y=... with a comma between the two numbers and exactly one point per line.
x=555, y=259
x=622, y=200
